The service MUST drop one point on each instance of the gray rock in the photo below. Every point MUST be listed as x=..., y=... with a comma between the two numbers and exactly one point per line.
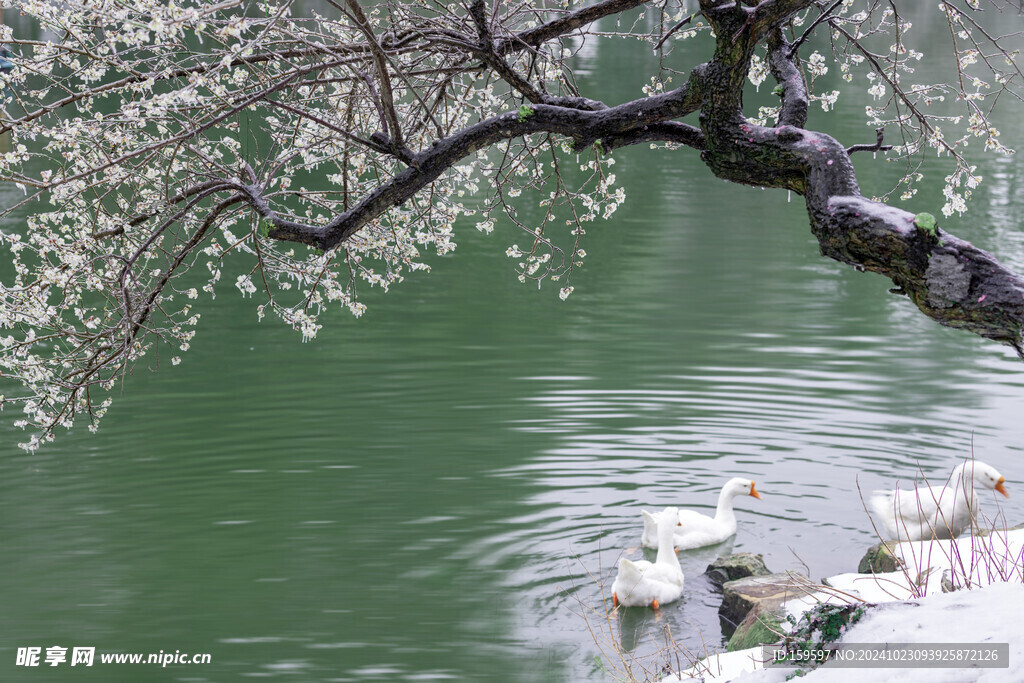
x=878, y=560
x=740, y=596
x=762, y=625
x=736, y=566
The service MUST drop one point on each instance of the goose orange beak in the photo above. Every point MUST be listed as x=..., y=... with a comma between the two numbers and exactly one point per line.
x=1001, y=488
x=757, y=495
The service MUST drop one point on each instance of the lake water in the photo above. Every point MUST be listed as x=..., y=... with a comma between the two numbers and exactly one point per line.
x=441, y=490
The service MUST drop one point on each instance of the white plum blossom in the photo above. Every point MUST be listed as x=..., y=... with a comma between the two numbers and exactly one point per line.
x=816, y=64
x=758, y=73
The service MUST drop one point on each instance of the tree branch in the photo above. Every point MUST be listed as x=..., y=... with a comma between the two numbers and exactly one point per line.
x=495, y=60
x=950, y=280
x=770, y=15
x=668, y=33
x=387, y=99
x=814, y=24
x=629, y=123
x=795, y=100
x=567, y=24
x=877, y=147
x=673, y=132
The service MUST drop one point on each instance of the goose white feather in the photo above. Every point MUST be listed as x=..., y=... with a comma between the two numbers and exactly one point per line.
x=696, y=530
x=652, y=583
x=936, y=511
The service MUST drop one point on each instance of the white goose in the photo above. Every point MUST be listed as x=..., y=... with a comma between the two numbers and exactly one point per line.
x=651, y=583
x=936, y=511
x=696, y=530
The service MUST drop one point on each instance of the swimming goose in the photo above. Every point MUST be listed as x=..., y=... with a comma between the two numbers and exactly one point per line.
x=936, y=511
x=652, y=583
x=696, y=530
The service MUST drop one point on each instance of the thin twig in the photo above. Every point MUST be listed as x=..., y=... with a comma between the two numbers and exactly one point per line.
x=821, y=17
x=877, y=147
x=672, y=30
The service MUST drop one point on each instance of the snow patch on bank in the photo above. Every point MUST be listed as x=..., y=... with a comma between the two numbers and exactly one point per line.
x=986, y=576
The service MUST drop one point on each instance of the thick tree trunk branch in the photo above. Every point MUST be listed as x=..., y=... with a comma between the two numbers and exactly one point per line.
x=795, y=100
x=567, y=24
x=769, y=15
x=630, y=123
x=669, y=131
x=950, y=280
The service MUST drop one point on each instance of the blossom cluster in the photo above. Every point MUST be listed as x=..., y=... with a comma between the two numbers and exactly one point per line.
x=945, y=116
x=159, y=146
